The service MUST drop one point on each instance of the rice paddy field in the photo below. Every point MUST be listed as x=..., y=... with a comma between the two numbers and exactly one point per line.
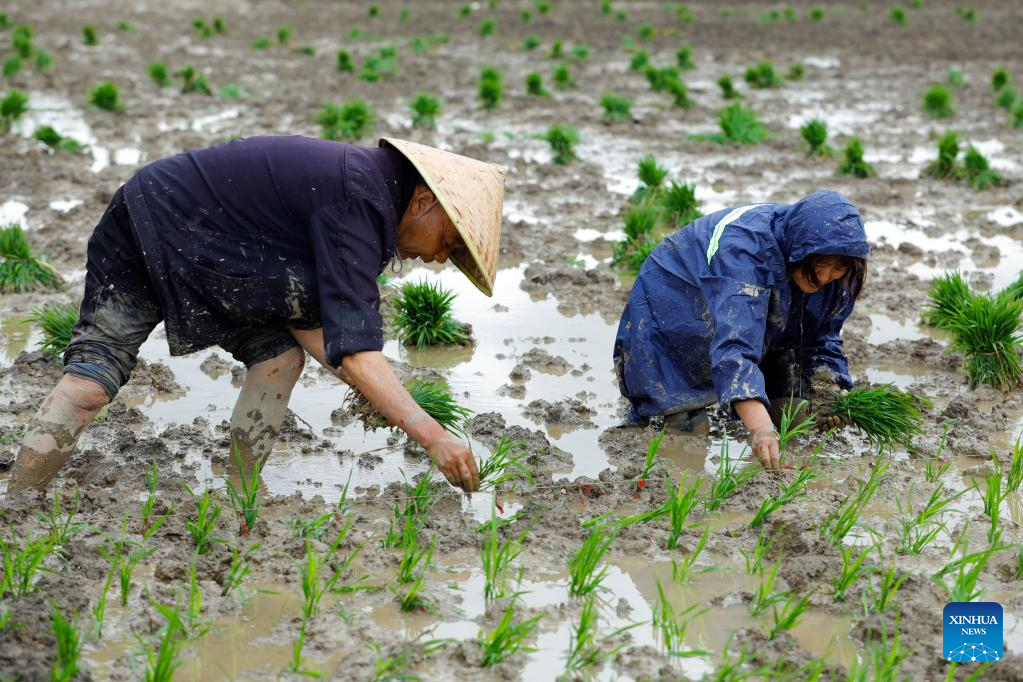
x=586, y=558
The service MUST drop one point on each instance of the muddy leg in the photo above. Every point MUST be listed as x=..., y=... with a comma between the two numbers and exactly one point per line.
x=54, y=430
x=261, y=406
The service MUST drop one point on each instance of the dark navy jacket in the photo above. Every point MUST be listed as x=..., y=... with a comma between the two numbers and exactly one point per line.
x=268, y=231
x=713, y=298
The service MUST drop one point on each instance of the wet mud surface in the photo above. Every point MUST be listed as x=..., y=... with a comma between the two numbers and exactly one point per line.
x=540, y=368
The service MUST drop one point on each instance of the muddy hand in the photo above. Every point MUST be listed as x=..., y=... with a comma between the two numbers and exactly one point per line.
x=765, y=447
x=455, y=461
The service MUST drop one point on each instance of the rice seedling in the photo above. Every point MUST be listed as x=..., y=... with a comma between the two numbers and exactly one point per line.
x=149, y=525
x=530, y=42
x=229, y=91
x=543, y=7
x=815, y=132
x=61, y=525
x=986, y=332
x=425, y=108
x=312, y=585
x=562, y=78
x=999, y=79
x=163, y=660
x=817, y=13
x=978, y=171
x=583, y=576
x=557, y=50
x=562, y=138
x=380, y=64
x=89, y=36
x=534, y=85
x=681, y=570
x=616, y=107
x=196, y=627
x=755, y=559
x=497, y=557
x=68, y=649
x=490, y=87
x=789, y=615
x=106, y=96
x=343, y=61
x=12, y=107
x=917, y=529
x=851, y=570
x=670, y=626
x=486, y=28
x=126, y=569
x=651, y=175
x=350, y=121
x=947, y=295
x=898, y=15
x=853, y=162
x=728, y=90
x=423, y=316
x=100, y=608
x=22, y=564
x=684, y=57
x=238, y=570
x=887, y=589
x=465, y=10
x=765, y=596
x=415, y=560
x=846, y=516
x=261, y=43
x=201, y=528
x=968, y=14
x=640, y=60
x=202, y=29
x=788, y=426
x=579, y=51
x=1014, y=475
x=762, y=75
x=51, y=138
x=680, y=204
x=1017, y=113
x=411, y=599
x=193, y=81
x=739, y=124
x=507, y=638
x=506, y=463
x=1006, y=98
x=640, y=222
x=159, y=74
x=937, y=101
x=884, y=414
x=946, y=165
x=955, y=78
x=730, y=477
x=246, y=501
x=283, y=35
x=651, y=454
x=966, y=569
x=11, y=66
x=786, y=493
x=57, y=324
x=585, y=649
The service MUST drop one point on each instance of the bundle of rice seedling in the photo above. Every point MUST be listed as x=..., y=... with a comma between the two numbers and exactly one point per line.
x=423, y=316
x=948, y=294
x=57, y=323
x=986, y=331
x=884, y=414
x=432, y=397
x=20, y=268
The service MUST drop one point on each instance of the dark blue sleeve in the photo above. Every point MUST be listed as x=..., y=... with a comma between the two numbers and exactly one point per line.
x=348, y=243
x=736, y=291
x=824, y=349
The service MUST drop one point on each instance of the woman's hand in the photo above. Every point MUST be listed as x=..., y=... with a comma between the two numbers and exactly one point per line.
x=455, y=461
x=765, y=447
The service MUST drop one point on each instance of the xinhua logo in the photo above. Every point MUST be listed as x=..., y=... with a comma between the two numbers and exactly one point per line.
x=972, y=632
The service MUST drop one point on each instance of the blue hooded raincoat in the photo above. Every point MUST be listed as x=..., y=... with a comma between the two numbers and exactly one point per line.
x=715, y=298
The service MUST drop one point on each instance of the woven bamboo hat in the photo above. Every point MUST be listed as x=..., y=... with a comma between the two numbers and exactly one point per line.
x=472, y=194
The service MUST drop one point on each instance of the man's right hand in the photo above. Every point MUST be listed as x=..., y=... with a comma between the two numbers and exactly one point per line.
x=455, y=461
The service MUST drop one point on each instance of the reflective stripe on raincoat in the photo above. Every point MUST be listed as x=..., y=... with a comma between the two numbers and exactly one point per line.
x=715, y=297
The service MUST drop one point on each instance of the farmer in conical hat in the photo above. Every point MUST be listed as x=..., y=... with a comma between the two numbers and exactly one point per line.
x=270, y=247
x=738, y=308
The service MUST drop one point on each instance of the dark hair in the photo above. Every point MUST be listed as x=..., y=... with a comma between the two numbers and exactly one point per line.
x=856, y=270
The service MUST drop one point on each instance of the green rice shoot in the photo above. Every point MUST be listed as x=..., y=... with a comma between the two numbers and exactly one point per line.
x=947, y=296
x=585, y=572
x=815, y=133
x=350, y=121
x=616, y=107
x=978, y=171
x=562, y=138
x=987, y=333
x=506, y=463
x=853, y=162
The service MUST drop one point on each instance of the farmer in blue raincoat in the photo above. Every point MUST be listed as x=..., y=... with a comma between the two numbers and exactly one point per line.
x=739, y=307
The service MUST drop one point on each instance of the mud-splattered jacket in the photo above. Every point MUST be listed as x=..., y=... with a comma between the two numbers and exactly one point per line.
x=715, y=296
x=265, y=231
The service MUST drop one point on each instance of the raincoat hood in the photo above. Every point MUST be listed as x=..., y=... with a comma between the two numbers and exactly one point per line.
x=823, y=223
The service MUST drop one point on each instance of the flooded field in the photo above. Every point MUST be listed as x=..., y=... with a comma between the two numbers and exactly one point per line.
x=539, y=370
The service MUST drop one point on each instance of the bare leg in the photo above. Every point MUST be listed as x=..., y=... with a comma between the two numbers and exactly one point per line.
x=262, y=403
x=71, y=405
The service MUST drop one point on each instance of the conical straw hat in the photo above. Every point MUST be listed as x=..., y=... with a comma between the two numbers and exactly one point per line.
x=472, y=194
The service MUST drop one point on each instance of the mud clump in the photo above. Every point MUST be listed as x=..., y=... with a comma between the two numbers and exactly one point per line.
x=577, y=290
x=215, y=366
x=571, y=412
x=542, y=361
